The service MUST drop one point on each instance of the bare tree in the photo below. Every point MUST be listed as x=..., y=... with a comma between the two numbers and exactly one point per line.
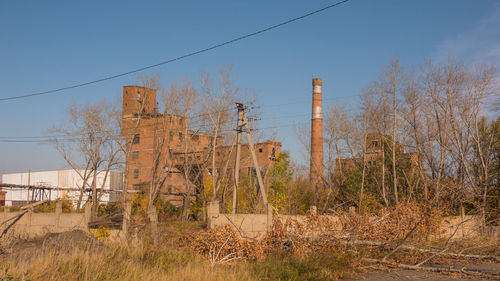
x=219, y=99
x=87, y=147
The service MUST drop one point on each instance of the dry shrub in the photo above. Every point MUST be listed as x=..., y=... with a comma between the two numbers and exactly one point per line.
x=297, y=237
x=304, y=235
x=224, y=241
x=395, y=223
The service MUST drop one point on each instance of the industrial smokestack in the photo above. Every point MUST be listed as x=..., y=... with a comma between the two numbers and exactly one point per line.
x=316, y=166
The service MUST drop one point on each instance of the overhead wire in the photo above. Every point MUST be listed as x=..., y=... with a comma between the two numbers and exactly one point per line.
x=26, y=139
x=177, y=58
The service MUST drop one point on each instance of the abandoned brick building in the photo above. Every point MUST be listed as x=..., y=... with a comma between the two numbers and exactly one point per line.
x=182, y=157
x=373, y=156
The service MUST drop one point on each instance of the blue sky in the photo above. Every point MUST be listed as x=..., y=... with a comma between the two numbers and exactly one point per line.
x=51, y=44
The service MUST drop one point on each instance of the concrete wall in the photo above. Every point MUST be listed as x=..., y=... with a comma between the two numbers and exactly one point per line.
x=256, y=225
x=251, y=226
x=38, y=224
x=468, y=226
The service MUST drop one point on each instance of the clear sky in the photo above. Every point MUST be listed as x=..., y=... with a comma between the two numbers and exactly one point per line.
x=52, y=44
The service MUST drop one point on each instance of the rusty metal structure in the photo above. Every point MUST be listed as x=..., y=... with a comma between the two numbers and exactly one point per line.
x=316, y=157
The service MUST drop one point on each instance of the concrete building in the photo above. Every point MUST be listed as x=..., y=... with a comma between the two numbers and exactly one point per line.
x=56, y=185
x=373, y=155
x=162, y=148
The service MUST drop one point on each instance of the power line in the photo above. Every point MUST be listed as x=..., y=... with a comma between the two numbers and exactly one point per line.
x=65, y=138
x=177, y=58
x=193, y=119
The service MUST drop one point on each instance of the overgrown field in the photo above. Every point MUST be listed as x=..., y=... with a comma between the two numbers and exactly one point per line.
x=172, y=258
x=306, y=250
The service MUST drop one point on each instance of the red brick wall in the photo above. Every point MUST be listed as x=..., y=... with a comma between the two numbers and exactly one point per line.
x=180, y=144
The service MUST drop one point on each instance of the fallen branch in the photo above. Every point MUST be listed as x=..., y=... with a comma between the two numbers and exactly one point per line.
x=15, y=219
x=445, y=247
x=34, y=204
x=431, y=251
x=11, y=218
x=400, y=244
x=434, y=269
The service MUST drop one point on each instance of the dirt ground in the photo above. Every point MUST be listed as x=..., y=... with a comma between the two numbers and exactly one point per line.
x=58, y=243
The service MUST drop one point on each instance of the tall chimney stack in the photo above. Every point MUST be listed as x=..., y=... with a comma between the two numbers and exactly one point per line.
x=316, y=168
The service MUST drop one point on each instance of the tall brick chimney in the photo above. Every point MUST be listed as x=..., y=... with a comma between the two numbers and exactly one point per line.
x=316, y=165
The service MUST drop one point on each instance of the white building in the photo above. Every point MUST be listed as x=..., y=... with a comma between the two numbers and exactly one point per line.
x=58, y=184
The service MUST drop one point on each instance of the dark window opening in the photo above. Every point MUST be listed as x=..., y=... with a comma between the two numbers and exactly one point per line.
x=273, y=153
x=135, y=154
x=171, y=136
x=180, y=136
x=138, y=95
x=190, y=158
x=136, y=173
x=195, y=137
x=136, y=138
x=169, y=188
x=260, y=149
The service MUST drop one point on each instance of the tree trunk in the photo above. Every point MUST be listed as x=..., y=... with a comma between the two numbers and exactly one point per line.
x=383, y=173
x=186, y=207
x=394, y=175
x=153, y=219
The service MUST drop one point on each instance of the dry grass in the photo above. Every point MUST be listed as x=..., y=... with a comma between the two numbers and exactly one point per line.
x=176, y=257
x=120, y=262
x=187, y=251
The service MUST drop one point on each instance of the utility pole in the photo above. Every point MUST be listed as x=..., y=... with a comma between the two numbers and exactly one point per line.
x=239, y=130
x=243, y=121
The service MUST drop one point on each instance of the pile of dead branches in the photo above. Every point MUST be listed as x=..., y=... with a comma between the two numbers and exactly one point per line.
x=393, y=224
x=223, y=244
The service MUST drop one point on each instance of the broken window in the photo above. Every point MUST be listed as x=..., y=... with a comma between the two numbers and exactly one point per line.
x=138, y=95
x=135, y=154
x=136, y=173
x=252, y=173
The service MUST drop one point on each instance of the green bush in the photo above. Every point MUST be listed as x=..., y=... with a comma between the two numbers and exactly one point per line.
x=50, y=206
x=109, y=209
